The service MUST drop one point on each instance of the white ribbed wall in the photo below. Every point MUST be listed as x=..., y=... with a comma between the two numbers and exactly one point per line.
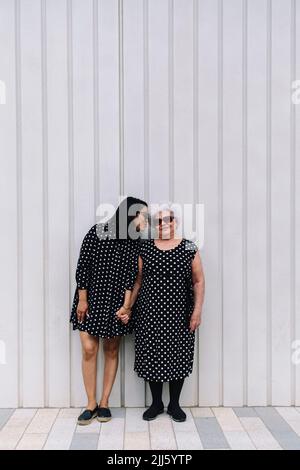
x=162, y=99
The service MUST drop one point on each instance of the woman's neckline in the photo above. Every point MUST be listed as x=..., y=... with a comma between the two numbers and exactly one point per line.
x=170, y=249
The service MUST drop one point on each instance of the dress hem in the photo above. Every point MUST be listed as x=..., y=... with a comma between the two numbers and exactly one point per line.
x=151, y=379
x=100, y=336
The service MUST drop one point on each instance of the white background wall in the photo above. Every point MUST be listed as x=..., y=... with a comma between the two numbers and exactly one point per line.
x=161, y=99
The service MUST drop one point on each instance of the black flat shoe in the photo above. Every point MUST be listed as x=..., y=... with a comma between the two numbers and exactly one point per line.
x=103, y=415
x=87, y=416
x=152, y=412
x=177, y=414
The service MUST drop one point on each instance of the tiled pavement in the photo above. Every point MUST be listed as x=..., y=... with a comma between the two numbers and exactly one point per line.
x=205, y=428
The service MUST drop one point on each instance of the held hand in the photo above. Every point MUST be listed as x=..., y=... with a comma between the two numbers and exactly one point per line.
x=124, y=314
x=125, y=319
x=82, y=310
x=195, y=321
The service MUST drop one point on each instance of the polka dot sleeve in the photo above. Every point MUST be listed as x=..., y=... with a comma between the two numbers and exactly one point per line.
x=132, y=272
x=131, y=277
x=83, y=271
x=192, y=249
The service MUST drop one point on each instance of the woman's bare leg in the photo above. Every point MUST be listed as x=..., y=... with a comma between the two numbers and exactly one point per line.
x=90, y=346
x=111, y=359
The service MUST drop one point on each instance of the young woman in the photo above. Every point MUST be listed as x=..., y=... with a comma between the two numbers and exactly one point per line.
x=105, y=275
x=167, y=312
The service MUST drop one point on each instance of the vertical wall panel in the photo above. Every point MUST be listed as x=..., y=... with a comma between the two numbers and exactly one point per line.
x=159, y=125
x=83, y=153
x=280, y=203
x=10, y=369
x=233, y=199
x=257, y=202
x=58, y=305
x=33, y=161
x=209, y=132
x=133, y=88
x=109, y=101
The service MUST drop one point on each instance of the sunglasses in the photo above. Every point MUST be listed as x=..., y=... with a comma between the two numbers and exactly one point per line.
x=167, y=220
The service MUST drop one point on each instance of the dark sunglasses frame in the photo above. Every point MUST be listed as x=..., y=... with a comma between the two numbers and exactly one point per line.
x=166, y=219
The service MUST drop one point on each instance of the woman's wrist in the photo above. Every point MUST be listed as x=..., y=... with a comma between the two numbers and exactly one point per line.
x=196, y=313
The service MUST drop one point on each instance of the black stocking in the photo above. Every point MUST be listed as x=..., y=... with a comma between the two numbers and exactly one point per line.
x=157, y=406
x=175, y=387
x=156, y=390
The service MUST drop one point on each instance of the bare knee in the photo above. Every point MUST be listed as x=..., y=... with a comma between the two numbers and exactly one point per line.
x=89, y=352
x=89, y=349
x=111, y=348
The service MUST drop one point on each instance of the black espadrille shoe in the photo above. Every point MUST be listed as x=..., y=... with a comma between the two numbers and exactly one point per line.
x=176, y=413
x=87, y=416
x=153, y=411
x=103, y=415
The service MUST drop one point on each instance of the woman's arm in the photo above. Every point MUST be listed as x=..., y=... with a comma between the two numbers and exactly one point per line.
x=130, y=297
x=199, y=291
x=137, y=284
x=83, y=306
x=83, y=272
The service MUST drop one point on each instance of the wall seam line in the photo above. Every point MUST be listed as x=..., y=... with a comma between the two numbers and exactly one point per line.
x=96, y=105
x=245, y=211
x=171, y=96
x=220, y=195
x=71, y=168
x=293, y=196
x=196, y=161
x=19, y=165
x=146, y=98
x=268, y=204
x=45, y=196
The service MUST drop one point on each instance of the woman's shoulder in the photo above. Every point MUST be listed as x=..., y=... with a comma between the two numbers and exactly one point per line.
x=190, y=246
x=95, y=234
x=101, y=230
x=90, y=234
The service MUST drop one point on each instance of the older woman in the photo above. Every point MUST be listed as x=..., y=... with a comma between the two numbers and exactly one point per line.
x=171, y=288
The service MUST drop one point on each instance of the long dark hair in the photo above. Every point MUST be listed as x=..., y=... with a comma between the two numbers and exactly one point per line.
x=125, y=213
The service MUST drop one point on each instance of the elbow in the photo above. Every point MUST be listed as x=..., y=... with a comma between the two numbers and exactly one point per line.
x=200, y=284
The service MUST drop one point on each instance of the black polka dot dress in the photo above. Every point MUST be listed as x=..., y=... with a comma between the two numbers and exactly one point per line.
x=164, y=346
x=106, y=268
